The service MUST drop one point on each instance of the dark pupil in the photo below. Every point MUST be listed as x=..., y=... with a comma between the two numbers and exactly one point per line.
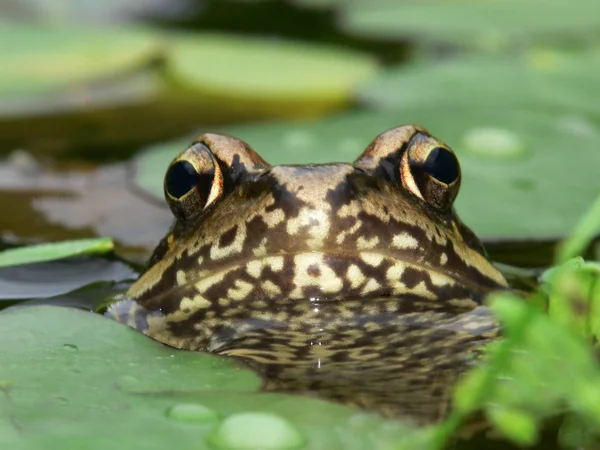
x=181, y=179
x=442, y=165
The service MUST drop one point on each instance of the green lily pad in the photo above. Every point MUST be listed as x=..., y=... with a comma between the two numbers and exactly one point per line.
x=544, y=79
x=38, y=59
x=539, y=194
x=489, y=23
x=75, y=380
x=229, y=73
x=55, y=250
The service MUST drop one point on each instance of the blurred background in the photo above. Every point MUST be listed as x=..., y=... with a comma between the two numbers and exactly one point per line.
x=97, y=97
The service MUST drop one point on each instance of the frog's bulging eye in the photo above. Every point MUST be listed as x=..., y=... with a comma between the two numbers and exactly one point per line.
x=430, y=170
x=181, y=178
x=193, y=182
x=442, y=165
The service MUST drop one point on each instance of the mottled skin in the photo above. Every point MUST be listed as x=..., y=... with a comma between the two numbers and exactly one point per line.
x=355, y=281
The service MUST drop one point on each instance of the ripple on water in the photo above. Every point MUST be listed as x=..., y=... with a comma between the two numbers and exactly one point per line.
x=498, y=143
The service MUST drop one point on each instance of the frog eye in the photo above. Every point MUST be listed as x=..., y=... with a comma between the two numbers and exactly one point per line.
x=430, y=170
x=193, y=182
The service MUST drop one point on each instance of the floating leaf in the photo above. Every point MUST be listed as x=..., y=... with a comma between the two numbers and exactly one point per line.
x=38, y=59
x=265, y=76
x=78, y=380
x=548, y=80
x=488, y=24
x=55, y=250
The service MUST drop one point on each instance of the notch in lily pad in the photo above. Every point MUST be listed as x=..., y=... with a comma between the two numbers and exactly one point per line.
x=55, y=250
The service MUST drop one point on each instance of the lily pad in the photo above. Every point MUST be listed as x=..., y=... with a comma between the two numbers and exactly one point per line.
x=38, y=59
x=292, y=79
x=489, y=24
x=55, y=250
x=540, y=194
x=544, y=79
x=76, y=380
x=91, y=12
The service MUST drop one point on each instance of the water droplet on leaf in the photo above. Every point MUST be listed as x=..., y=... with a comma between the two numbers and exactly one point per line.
x=253, y=430
x=191, y=412
x=494, y=142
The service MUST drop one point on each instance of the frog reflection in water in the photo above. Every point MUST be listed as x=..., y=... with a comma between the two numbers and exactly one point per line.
x=356, y=282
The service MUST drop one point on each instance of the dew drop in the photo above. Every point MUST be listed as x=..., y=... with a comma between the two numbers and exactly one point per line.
x=577, y=125
x=494, y=142
x=256, y=430
x=191, y=412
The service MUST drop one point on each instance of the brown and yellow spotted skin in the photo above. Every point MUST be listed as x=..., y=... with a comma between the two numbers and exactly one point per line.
x=354, y=281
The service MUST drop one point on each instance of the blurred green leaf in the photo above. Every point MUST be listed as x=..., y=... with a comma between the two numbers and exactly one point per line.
x=502, y=197
x=516, y=425
x=538, y=370
x=104, y=87
x=52, y=251
x=38, y=59
x=586, y=230
x=576, y=433
x=93, y=12
x=266, y=76
x=573, y=289
x=547, y=80
x=488, y=24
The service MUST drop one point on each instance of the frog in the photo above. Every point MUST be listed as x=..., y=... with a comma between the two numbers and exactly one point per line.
x=356, y=282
